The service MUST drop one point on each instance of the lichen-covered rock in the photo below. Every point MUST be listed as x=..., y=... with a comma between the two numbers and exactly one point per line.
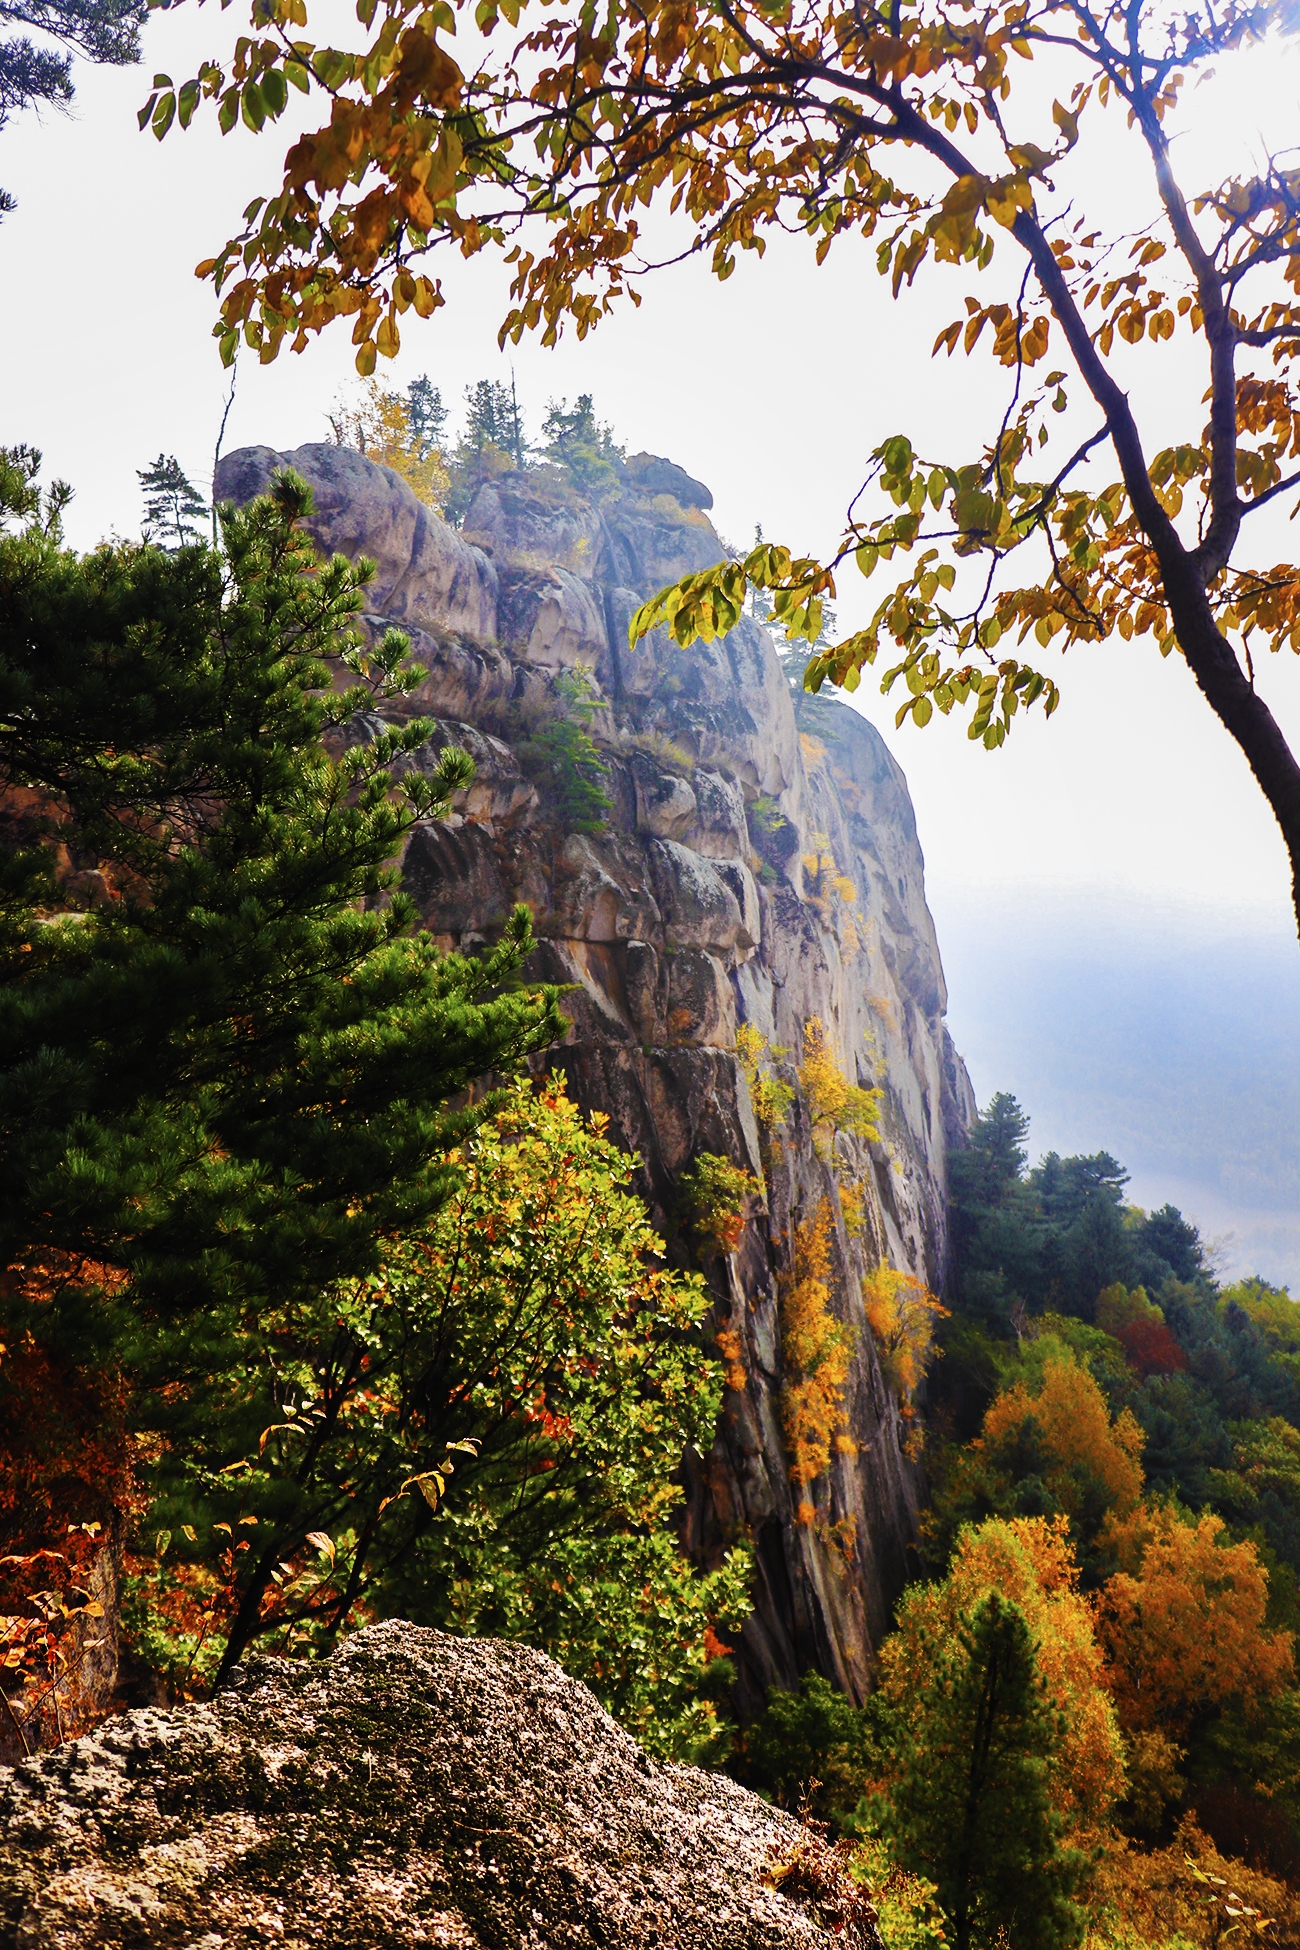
x=415, y=1789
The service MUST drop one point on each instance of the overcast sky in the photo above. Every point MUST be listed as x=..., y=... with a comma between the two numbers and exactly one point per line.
x=1110, y=890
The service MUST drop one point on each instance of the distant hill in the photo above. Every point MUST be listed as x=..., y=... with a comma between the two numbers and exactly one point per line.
x=1154, y=1036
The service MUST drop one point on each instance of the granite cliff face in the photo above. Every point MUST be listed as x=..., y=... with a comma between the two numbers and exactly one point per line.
x=750, y=870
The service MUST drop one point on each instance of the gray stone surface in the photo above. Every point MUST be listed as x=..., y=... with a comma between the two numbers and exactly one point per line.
x=416, y=1789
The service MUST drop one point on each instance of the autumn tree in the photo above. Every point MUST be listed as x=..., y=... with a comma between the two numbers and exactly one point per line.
x=1030, y=1563
x=902, y=1313
x=834, y=1104
x=1049, y=1446
x=816, y=1352
x=397, y=432
x=482, y=1435
x=925, y=130
x=1183, y=1624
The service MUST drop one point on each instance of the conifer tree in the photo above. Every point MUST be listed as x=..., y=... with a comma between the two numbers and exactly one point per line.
x=426, y=415
x=492, y=419
x=227, y=1076
x=970, y=1805
x=172, y=504
x=578, y=443
x=33, y=74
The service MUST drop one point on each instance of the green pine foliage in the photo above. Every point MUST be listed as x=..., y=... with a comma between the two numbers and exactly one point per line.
x=810, y=1750
x=172, y=505
x=35, y=74
x=226, y=1049
x=426, y=416
x=969, y=1806
x=583, y=449
x=564, y=761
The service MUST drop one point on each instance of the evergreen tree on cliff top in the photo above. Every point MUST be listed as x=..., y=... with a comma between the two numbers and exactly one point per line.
x=225, y=1074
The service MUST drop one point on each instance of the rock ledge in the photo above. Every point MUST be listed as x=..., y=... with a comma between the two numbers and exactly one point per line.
x=414, y=1789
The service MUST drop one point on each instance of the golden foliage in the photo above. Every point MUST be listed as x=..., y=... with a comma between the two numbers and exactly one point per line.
x=770, y=1096
x=1076, y=1430
x=1185, y=1895
x=1029, y=1561
x=378, y=425
x=853, y=1206
x=834, y=1103
x=817, y=1349
x=1183, y=1626
x=907, y=1909
x=733, y=1355
x=901, y=1313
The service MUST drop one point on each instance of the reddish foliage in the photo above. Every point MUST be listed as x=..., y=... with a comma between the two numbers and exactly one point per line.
x=67, y=1482
x=1150, y=1347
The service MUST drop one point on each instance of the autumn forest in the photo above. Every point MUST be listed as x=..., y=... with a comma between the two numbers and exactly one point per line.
x=480, y=1144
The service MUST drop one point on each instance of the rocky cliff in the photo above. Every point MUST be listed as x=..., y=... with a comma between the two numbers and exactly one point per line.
x=748, y=870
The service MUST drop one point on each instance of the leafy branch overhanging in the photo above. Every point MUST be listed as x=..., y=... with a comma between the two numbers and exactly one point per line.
x=748, y=115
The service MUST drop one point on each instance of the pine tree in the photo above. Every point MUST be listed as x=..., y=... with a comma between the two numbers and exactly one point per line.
x=172, y=505
x=970, y=1805
x=564, y=759
x=492, y=419
x=581, y=446
x=426, y=415
x=33, y=75
x=227, y=1078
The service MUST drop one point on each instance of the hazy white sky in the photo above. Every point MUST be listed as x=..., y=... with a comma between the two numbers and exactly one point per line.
x=1130, y=820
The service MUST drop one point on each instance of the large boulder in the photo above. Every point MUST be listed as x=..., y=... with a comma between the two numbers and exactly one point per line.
x=415, y=1789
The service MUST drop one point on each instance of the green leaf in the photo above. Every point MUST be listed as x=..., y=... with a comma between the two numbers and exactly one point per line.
x=275, y=91
x=251, y=107
x=898, y=454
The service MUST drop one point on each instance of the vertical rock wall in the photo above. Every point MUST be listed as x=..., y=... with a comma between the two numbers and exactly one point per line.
x=750, y=870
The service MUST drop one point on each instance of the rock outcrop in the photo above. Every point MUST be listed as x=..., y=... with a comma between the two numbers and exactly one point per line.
x=751, y=869
x=414, y=1789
